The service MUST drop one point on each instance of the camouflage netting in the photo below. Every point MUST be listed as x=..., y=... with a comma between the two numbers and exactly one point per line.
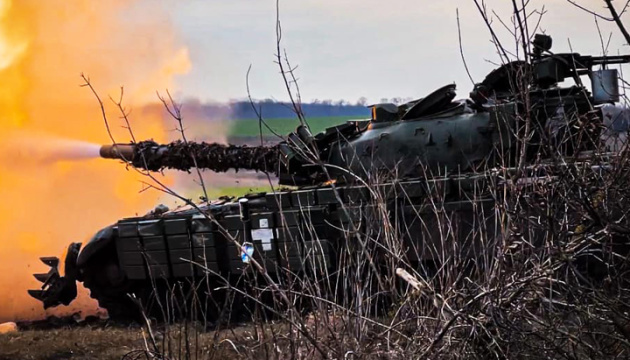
x=212, y=156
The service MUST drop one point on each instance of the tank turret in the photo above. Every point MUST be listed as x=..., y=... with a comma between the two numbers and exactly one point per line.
x=434, y=134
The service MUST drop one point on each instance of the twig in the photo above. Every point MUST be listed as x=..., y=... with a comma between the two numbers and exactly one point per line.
x=617, y=19
x=461, y=50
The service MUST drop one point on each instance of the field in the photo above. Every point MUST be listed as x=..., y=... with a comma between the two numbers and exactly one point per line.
x=251, y=127
x=236, y=191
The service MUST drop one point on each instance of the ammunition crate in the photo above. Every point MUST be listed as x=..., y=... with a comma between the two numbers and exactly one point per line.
x=166, y=248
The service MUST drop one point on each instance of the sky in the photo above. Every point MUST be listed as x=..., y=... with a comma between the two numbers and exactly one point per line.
x=353, y=48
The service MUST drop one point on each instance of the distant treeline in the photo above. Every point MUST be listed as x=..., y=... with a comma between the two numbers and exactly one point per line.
x=271, y=109
x=242, y=110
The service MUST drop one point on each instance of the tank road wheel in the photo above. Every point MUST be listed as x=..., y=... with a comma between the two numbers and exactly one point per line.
x=125, y=300
x=119, y=306
x=110, y=287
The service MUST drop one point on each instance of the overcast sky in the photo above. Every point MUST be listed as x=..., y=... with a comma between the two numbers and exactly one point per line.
x=346, y=49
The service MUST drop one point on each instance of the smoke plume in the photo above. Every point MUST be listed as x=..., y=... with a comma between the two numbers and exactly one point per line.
x=41, y=150
x=47, y=118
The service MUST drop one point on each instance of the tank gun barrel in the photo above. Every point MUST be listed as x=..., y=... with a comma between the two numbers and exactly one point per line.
x=182, y=156
x=117, y=151
x=287, y=159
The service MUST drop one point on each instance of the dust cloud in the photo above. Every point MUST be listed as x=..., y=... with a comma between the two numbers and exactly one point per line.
x=48, y=119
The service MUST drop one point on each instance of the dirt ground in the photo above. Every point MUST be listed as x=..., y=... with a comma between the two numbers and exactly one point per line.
x=102, y=340
x=71, y=343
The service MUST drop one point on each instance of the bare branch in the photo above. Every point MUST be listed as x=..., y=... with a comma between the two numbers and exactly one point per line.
x=461, y=50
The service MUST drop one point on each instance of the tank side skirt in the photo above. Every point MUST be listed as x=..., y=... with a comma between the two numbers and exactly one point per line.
x=299, y=232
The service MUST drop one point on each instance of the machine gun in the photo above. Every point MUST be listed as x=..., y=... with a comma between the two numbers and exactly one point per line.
x=547, y=70
x=551, y=69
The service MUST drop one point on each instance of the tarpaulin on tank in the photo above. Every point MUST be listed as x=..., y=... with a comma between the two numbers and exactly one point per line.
x=616, y=121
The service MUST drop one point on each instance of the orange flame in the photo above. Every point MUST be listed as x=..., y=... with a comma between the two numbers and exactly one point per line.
x=44, y=46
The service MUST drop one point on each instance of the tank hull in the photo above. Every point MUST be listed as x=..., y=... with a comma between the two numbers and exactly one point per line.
x=303, y=232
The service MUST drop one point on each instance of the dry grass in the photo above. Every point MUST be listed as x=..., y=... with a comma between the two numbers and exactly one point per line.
x=71, y=343
x=109, y=342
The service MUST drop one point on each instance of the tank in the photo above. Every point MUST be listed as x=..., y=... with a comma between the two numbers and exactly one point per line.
x=429, y=148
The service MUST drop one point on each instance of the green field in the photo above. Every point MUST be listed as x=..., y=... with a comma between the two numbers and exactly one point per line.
x=237, y=191
x=251, y=127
